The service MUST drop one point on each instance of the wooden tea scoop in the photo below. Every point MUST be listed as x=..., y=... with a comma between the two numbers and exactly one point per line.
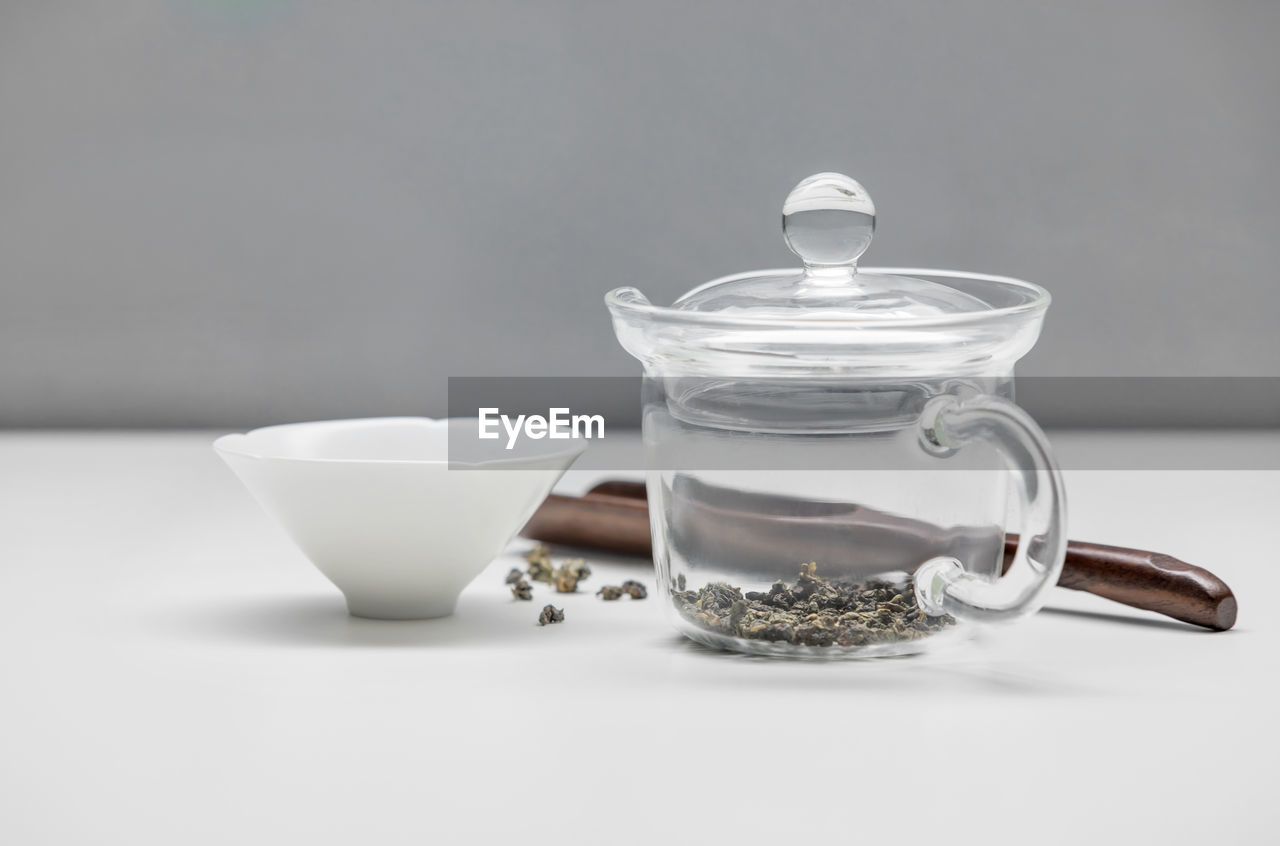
x=757, y=531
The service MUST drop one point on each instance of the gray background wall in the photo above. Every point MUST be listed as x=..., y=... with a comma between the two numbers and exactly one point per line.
x=231, y=213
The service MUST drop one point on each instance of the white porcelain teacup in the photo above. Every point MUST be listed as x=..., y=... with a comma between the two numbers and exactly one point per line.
x=376, y=506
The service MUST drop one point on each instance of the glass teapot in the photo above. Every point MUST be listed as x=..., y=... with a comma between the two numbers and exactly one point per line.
x=831, y=448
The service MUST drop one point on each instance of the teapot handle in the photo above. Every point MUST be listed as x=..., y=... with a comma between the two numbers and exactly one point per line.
x=942, y=585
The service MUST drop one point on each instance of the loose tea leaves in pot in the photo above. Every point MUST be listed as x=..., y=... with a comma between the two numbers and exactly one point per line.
x=813, y=611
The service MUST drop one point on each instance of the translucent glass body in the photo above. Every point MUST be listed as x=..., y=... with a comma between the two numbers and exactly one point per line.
x=744, y=502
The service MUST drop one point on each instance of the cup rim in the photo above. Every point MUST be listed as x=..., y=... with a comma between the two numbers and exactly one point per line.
x=239, y=444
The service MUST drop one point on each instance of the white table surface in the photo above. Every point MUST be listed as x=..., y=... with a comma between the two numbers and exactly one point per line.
x=176, y=673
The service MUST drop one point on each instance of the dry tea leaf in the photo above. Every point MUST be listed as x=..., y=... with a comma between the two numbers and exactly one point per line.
x=568, y=574
x=550, y=614
x=539, y=559
x=578, y=567
x=634, y=589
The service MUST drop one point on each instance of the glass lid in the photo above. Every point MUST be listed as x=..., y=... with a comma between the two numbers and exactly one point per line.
x=830, y=316
x=828, y=221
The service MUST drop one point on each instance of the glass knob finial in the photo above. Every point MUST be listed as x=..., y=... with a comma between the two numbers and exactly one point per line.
x=828, y=220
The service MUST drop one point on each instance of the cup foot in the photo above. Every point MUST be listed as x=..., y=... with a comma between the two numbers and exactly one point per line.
x=399, y=608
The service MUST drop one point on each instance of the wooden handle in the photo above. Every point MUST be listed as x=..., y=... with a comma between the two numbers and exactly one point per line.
x=620, y=487
x=616, y=524
x=1151, y=581
x=614, y=517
